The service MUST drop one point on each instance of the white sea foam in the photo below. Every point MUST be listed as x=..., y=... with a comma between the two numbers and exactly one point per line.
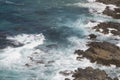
x=30, y=40
x=112, y=7
x=72, y=64
x=112, y=70
x=93, y=6
x=91, y=0
x=78, y=43
x=69, y=62
x=118, y=44
x=62, y=59
x=13, y=3
x=18, y=55
x=92, y=24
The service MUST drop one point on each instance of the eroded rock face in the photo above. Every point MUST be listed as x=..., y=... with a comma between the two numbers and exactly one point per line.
x=102, y=52
x=107, y=27
x=113, y=13
x=91, y=74
x=115, y=2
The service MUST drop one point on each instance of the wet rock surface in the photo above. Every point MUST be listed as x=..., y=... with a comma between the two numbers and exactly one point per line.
x=102, y=52
x=107, y=27
x=113, y=13
x=115, y=2
x=67, y=79
x=92, y=36
x=91, y=74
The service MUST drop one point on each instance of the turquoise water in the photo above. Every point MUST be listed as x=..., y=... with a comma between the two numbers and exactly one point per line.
x=52, y=18
x=60, y=24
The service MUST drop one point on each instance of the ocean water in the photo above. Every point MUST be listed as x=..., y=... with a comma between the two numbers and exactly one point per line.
x=49, y=31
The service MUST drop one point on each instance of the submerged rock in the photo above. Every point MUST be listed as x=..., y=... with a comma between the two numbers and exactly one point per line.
x=40, y=62
x=91, y=74
x=52, y=46
x=67, y=79
x=52, y=61
x=4, y=42
x=107, y=27
x=27, y=65
x=102, y=52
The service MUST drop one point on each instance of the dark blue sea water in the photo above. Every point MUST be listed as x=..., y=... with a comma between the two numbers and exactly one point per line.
x=60, y=24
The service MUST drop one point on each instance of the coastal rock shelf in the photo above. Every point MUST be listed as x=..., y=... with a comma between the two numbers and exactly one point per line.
x=91, y=74
x=113, y=13
x=108, y=27
x=102, y=52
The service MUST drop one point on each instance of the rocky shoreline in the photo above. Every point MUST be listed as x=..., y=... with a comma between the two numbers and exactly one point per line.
x=114, y=13
x=91, y=74
x=115, y=2
x=104, y=53
x=108, y=27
